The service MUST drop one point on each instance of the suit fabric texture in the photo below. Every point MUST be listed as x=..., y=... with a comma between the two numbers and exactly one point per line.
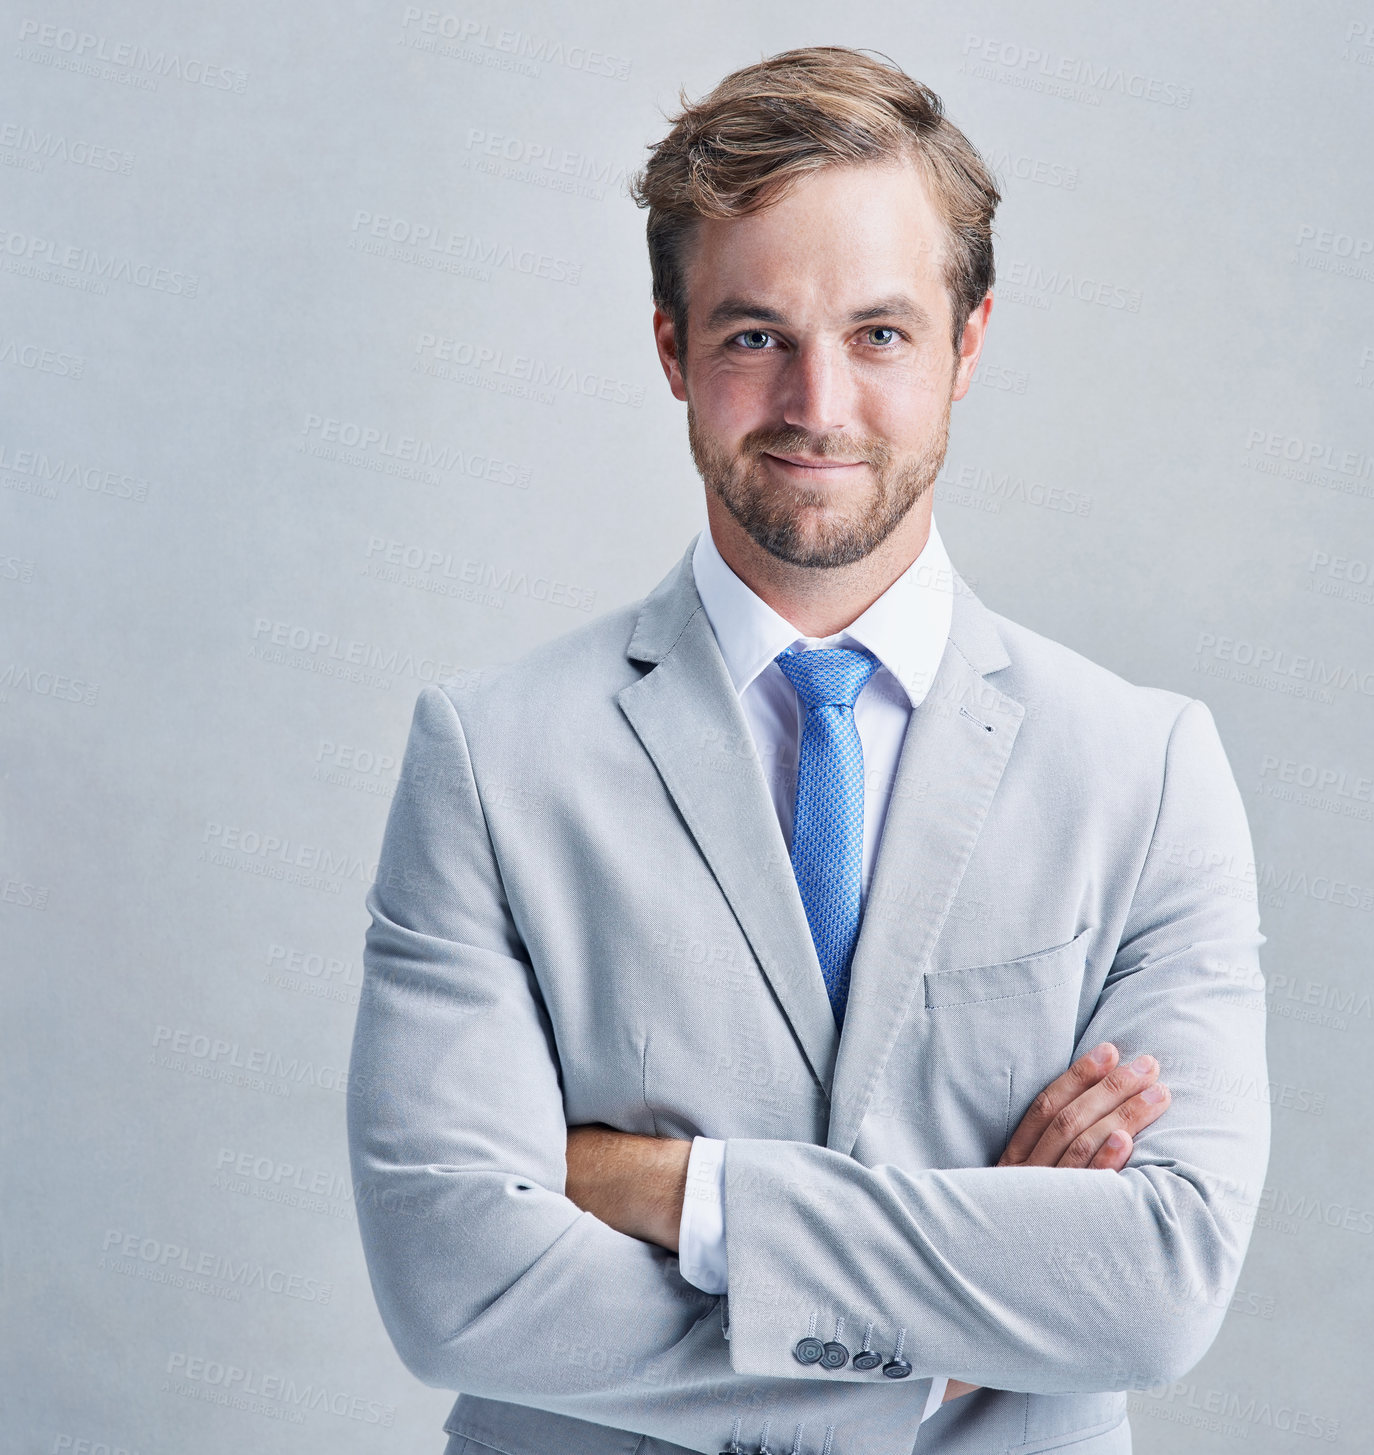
x=585, y=912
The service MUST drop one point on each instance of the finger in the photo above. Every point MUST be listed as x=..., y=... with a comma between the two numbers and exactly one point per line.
x=1130, y=1117
x=1090, y=1107
x=1084, y=1073
x=956, y=1389
x=1114, y=1153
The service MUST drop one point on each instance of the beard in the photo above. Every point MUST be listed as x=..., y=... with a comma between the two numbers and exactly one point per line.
x=774, y=515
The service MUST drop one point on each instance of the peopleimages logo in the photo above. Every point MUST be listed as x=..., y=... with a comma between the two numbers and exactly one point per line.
x=43, y=682
x=43, y=359
x=542, y=163
x=79, y=50
x=36, y=146
x=133, y=1248
x=340, y=863
x=1332, y=240
x=249, y=1382
x=370, y=447
x=272, y=640
x=99, y=268
x=412, y=564
x=1035, y=279
x=1299, y=449
x=1074, y=78
x=1263, y=661
x=1031, y=169
x=81, y=1445
x=282, y=1174
x=524, y=372
x=468, y=38
x=48, y=471
x=412, y=241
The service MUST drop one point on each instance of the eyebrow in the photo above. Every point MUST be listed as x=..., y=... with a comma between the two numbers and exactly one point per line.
x=732, y=310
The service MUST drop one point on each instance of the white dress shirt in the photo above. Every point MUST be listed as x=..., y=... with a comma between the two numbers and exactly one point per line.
x=906, y=629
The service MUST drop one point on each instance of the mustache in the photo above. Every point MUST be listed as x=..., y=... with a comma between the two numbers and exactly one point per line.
x=826, y=447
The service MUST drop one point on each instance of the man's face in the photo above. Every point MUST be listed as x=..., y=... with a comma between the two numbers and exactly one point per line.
x=819, y=370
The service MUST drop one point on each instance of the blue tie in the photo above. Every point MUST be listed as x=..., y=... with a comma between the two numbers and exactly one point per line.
x=828, y=821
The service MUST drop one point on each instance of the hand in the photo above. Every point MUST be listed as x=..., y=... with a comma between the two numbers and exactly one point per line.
x=635, y=1184
x=956, y=1388
x=1087, y=1116
x=1084, y=1118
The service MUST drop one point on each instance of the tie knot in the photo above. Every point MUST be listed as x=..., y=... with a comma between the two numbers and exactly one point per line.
x=828, y=676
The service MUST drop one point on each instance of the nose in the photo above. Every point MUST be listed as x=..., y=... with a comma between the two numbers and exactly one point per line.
x=817, y=390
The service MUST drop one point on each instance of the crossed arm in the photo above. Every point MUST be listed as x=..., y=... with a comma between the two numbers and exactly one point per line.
x=1085, y=1118
x=491, y=1279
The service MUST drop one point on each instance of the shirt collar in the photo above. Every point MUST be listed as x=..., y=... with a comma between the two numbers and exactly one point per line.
x=906, y=628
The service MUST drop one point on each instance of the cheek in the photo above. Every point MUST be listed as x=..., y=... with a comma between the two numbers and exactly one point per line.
x=733, y=401
x=905, y=406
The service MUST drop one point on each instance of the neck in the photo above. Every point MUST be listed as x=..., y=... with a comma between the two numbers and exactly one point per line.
x=819, y=601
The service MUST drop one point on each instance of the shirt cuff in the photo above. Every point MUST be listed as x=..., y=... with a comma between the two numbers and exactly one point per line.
x=936, y=1397
x=701, y=1233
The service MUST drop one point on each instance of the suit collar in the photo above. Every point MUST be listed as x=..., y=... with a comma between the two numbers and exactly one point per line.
x=973, y=630
x=665, y=611
x=906, y=628
x=687, y=715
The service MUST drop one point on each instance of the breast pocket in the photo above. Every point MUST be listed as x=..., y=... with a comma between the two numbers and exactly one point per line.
x=1027, y=975
x=994, y=1035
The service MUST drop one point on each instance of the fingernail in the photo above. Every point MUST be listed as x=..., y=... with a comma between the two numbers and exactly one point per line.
x=1103, y=1053
x=1142, y=1064
x=1153, y=1094
x=1116, y=1141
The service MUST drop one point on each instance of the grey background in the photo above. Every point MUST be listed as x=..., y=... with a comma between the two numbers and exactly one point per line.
x=326, y=369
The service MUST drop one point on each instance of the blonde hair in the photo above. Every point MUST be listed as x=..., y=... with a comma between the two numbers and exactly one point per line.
x=742, y=146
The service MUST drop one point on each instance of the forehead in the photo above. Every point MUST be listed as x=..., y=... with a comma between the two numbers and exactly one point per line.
x=840, y=234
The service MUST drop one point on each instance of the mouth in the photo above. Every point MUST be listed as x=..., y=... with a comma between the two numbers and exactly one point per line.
x=815, y=467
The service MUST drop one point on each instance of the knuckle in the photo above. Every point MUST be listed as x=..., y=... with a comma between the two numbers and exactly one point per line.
x=1078, y=1153
x=1120, y=1082
x=1042, y=1108
x=1136, y=1111
x=1123, y=1081
x=1067, y=1121
x=1085, y=1071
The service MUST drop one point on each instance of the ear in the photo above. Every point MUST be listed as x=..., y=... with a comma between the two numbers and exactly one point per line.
x=666, y=341
x=971, y=346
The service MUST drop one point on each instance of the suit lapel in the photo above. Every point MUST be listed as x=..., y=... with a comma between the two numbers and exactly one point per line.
x=687, y=715
x=957, y=744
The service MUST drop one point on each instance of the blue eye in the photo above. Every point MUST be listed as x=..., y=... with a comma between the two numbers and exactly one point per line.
x=755, y=339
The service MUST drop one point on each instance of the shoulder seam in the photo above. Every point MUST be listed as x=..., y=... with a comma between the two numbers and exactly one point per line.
x=476, y=790
x=1164, y=775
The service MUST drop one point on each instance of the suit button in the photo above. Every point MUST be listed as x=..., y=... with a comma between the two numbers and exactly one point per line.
x=896, y=1369
x=809, y=1350
x=835, y=1356
x=869, y=1359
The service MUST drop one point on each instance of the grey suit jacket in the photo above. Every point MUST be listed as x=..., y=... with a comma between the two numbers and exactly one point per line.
x=585, y=912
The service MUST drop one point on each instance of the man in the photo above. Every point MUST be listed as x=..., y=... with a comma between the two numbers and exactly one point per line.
x=812, y=884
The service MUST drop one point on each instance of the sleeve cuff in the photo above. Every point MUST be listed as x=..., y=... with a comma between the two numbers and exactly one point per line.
x=701, y=1255
x=701, y=1232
